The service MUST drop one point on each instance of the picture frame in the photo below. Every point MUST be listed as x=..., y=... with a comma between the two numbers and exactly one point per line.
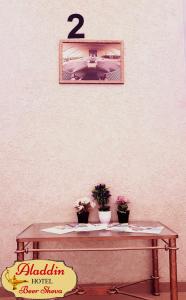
x=91, y=61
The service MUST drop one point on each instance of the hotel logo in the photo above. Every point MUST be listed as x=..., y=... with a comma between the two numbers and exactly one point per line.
x=39, y=279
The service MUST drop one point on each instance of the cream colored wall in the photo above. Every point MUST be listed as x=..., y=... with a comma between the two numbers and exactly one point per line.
x=58, y=141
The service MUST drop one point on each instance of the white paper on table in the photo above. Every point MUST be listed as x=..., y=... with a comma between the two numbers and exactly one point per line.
x=59, y=229
x=136, y=229
x=90, y=227
x=145, y=229
x=117, y=227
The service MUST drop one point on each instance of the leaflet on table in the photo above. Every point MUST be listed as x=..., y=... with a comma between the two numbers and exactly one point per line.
x=59, y=229
x=90, y=227
x=136, y=228
x=94, y=227
x=75, y=228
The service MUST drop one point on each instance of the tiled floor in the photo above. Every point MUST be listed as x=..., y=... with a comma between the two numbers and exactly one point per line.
x=164, y=296
x=101, y=294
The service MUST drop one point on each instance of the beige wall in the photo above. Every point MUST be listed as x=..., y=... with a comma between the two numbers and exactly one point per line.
x=58, y=141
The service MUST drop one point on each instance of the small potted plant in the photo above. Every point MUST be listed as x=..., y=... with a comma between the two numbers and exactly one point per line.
x=82, y=206
x=122, y=209
x=102, y=194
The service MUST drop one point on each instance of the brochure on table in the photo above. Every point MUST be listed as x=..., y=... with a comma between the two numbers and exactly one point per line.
x=94, y=227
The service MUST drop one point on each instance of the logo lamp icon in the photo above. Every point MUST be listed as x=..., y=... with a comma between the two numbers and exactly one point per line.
x=13, y=281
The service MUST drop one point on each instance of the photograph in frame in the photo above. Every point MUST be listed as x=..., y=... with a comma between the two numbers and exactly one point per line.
x=91, y=61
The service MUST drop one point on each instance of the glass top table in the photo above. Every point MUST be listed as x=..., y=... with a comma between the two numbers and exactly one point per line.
x=33, y=235
x=34, y=232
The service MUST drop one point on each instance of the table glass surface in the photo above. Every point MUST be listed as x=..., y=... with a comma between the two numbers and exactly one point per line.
x=34, y=233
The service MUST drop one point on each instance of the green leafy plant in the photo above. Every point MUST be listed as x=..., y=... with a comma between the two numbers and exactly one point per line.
x=101, y=194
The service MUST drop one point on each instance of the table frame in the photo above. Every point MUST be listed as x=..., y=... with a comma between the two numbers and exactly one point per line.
x=169, y=244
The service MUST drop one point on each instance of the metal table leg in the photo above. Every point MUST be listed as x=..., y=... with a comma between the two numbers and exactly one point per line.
x=173, y=269
x=20, y=257
x=35, y=253
x=155, y=270
x=20, y=246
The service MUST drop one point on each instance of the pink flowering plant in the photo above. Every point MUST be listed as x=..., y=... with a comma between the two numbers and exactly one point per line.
x=84, y=204
x=122, y=204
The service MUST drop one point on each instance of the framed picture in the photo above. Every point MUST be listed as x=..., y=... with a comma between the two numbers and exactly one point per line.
x=82, y=61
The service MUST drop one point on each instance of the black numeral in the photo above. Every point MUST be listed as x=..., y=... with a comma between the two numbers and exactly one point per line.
x=73, y=33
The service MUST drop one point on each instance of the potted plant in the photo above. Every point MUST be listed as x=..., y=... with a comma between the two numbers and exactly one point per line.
x=82, y=207
x=102, y=194
x=122, y=209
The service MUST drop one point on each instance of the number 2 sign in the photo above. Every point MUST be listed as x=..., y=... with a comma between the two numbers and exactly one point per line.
x=73, y=33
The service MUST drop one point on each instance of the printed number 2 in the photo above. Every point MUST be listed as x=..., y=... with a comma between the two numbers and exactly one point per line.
x=73, y=34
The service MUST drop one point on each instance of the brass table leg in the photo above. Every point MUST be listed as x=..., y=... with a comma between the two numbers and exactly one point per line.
x=20, y=257
x=155, y=270
x=35, y=253
x=173, y=269
x=20, y=246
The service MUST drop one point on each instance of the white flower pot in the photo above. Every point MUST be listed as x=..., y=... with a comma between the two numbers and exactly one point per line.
x=104, y=216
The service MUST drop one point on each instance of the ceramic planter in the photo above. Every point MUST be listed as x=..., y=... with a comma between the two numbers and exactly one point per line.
x=123, y=217
x=104, y=216
x=83, y=217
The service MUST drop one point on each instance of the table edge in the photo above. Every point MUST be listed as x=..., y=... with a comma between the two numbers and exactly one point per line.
x=117, y=237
